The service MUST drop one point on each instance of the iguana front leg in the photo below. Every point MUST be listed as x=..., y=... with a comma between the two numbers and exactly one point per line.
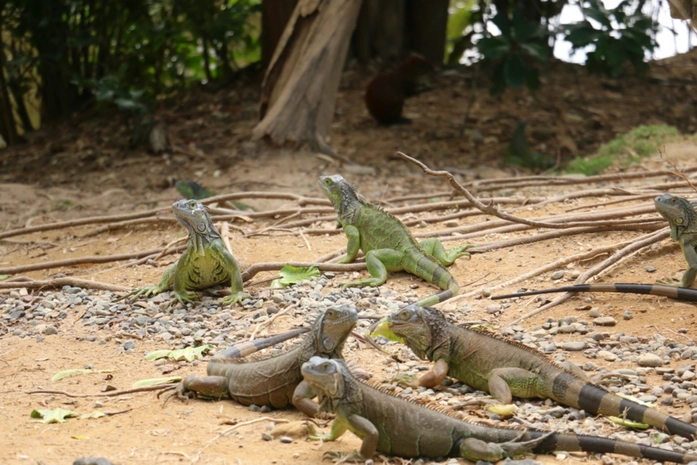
x=435, y=248
x=164, y=285
x=353, y=246
x=435, y=375
x=361, y=427
x=378, y=262
x=688, y=245
x=229, y=264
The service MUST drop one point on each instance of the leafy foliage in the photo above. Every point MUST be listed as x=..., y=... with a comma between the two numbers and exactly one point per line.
x=513, y=52
x=58, y=415
x=623, y=35
x=293, y=275
x=124, y=53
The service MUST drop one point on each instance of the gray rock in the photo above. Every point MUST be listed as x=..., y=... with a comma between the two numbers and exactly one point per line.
x=649, y=360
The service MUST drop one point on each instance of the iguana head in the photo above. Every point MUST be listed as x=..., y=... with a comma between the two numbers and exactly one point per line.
x=678, y=211
x=420, y=327
x=333, y=328
x=343, y=195
x=195, y=218
x=325, y=375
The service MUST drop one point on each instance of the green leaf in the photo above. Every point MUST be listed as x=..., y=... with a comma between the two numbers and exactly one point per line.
x=628, y=423
x=95, y=414
x=188, y=353
x=582, y=34
x=536, y=50
x=294, y=275
x=383, y=329
x=156, y=381
x=599, y=14
x=4, y=276
x=58, y=415
x=76, y=372
x=494, y=48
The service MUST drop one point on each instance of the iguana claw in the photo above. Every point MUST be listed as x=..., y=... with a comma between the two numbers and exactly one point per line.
x=178, y=390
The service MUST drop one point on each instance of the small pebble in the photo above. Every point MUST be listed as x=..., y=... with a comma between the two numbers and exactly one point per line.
x=286, y=439
x=649, y=360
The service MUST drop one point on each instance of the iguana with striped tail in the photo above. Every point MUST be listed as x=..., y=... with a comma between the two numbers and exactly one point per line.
x=271, y=381
x=505, y=369
x=398, y=427
x=682, y=220
x=678, y=293
x=387, y=243
x=206, y=261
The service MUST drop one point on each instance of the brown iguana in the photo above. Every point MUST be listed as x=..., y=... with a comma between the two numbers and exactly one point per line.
x=205, y=262
x=678, y=293
x=271, y=381
x=387, y=243
x=398, y=427
x=505, y=368
x=682, y=220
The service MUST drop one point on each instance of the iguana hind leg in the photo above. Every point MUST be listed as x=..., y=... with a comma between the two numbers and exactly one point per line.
x=475, y=449
x=378, y=261
x=214, y=387
x=435, y=248
x=504, y=383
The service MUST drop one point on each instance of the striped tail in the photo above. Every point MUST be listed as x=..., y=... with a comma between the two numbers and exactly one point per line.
x=246, y=348
x=431, y=300
x=600, y=445
x=569, y=390
x=679, y=293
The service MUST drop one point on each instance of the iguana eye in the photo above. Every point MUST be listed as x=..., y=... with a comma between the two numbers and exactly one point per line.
x=678, y=220
x=192, y=204
x=332, y=313
x=201, y=227
x=328, y=182
x=404, y=315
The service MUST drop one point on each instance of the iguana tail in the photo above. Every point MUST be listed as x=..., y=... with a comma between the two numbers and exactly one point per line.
x=600, y=445
x=249, y=347
x=569, y=390
x=436, y=298
x=679, y=293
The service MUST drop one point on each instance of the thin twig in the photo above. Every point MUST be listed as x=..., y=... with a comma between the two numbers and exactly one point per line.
x=272, y=319
x=105, y=394
x=630, y=248
x=58, y=283
x=244, y=423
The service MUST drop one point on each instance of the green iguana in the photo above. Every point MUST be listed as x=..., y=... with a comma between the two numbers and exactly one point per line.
x=387, y=243
x=678, y=293
x=272, y=381
x=398, y=427
x=682, y=220
x=505, y=368
x=205, y=262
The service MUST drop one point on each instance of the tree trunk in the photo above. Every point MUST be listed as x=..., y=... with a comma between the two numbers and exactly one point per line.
x=427, y=22
x=299, y=90
x=381, y=31
x=274, y=17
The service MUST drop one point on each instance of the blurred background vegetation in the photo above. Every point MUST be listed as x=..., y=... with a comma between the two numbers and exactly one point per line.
x=61, y=57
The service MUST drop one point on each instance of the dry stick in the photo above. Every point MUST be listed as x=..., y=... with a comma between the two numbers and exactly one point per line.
x=57, y=283
x=632, y=198
x=69, y=224
x=272, y=319
x=634, y=246
x=488, y=209
x=274, y=266
x=548, y=267
x=244, y=423
x=75, y=261
x=108, y=393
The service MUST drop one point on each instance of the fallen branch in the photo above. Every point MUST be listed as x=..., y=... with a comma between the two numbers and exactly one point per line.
x=105, y=394
x=58, y=283
x=630, y=248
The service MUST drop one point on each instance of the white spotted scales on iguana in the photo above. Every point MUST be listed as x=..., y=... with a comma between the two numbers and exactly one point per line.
x=395, y=426
x=505, y=369
x=206, y=261
x=387, y=243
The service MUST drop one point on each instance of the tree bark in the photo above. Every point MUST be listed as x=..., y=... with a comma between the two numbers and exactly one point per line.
x=381, y=31
x=299, y=89
x=427, y=22
x=274, y=17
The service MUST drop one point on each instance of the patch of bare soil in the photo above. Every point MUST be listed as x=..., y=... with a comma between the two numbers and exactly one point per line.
x=74, y=173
